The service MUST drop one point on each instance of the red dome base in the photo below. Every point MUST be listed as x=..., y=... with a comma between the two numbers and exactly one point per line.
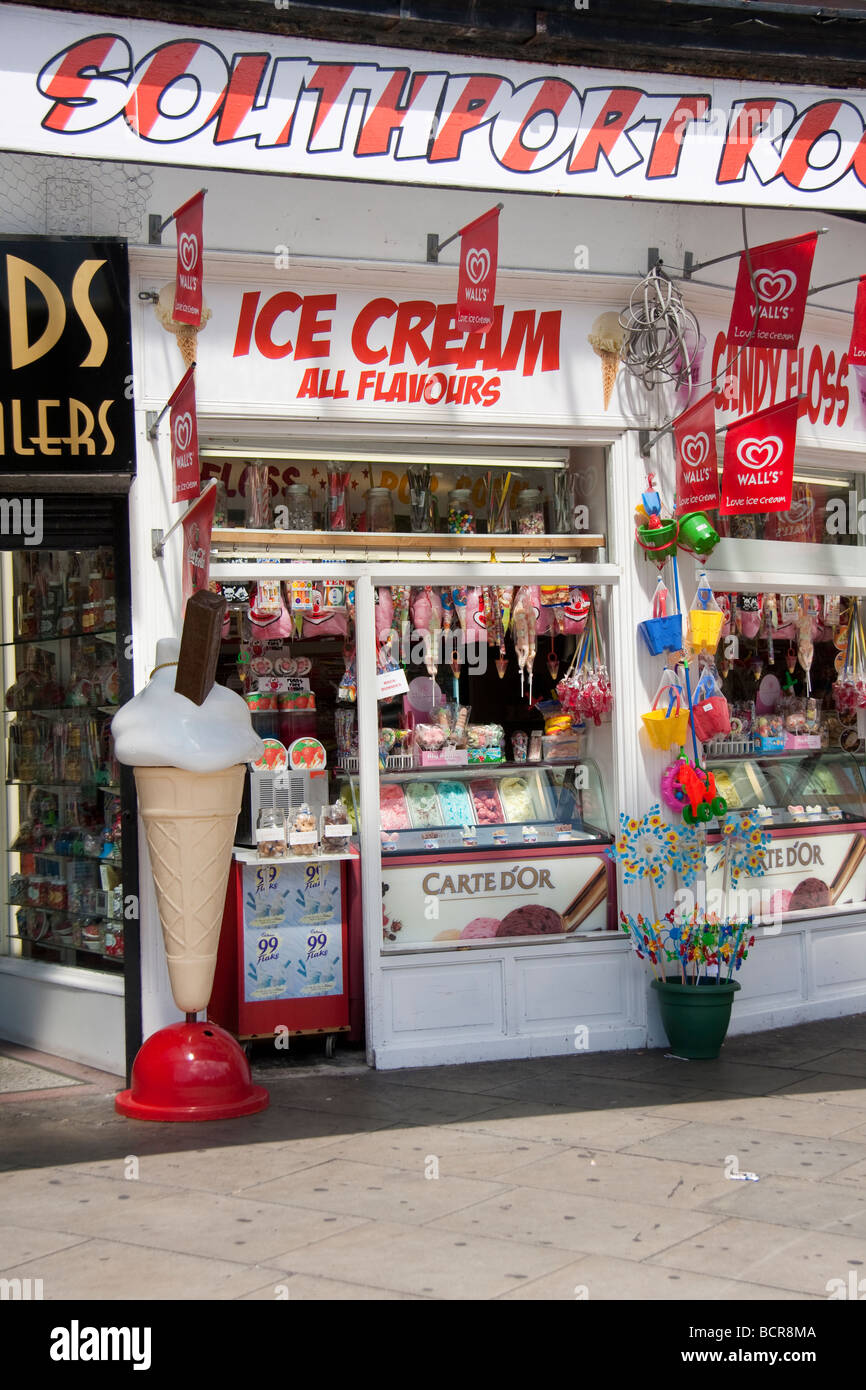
x=191, y=1071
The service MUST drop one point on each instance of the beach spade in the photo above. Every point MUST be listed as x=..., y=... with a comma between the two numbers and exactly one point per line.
x=552, y=660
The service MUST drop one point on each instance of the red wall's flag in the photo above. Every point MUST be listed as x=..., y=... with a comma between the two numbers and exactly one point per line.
x=697, y=465
x=476, y=285
x=857, y=348
x=197, y=527
x=184, y=439
x=758, y=470
x=190, y=255
x=782, y=270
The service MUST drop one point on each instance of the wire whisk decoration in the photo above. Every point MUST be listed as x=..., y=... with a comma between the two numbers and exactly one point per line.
x=662, y=336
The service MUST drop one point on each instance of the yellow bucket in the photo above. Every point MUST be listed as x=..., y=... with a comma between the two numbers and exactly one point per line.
x=666, y=730
x=705, y=625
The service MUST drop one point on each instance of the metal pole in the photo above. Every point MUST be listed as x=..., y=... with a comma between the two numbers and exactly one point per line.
x=434, y=245
x=159, y=538
x=154, y=424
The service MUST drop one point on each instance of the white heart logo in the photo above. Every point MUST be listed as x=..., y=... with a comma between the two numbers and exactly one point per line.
x=694, y=449
x=775, y=285
x=187, y=249
x=478, y=265
x=183, y=432
x=759, y=453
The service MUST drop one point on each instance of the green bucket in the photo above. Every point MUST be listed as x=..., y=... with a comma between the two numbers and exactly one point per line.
x=696, y=1017
x=658, y=542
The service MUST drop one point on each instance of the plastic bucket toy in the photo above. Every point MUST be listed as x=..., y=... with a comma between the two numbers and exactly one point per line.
x=663, y=634
x=658, y=542
x=697, y=534
x=706, y=628
x=667, y=728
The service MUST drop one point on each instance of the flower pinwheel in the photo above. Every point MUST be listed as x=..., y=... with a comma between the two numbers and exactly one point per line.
x=639, y=846
x=746, y=842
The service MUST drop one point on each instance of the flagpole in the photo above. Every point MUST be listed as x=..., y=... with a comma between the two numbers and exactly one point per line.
x=434, y=245
x=170, y=219
x=153, y=426
x=702, y=265
x=158, y=537
x=651, y=443
x=819, y=289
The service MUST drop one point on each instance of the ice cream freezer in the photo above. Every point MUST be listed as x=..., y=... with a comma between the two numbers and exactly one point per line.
x=813, y=804
x=283, y=953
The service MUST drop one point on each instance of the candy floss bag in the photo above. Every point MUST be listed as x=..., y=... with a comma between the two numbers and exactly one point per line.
x=269, y=616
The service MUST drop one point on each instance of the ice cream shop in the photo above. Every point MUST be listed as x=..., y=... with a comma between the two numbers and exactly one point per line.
x=525, y=528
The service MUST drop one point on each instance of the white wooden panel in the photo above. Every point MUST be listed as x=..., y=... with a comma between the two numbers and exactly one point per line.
x=84, y=1025
x=839, y=961
x=569, y=990
x=465, y=998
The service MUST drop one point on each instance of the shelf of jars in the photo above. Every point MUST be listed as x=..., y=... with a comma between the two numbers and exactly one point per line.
x=52, y=711
x=242, y=542
x=75, y=947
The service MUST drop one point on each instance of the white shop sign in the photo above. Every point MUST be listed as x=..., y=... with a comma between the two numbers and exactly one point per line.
x=110, y=88
x=535, y=897
x=317, y=347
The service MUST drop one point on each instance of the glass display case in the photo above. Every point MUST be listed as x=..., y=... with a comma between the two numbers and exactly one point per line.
x=815, y=787
x=487, y=807
x=63, y=815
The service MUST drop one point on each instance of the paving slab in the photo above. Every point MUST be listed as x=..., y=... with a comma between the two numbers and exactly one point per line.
x=593, y=1225
x=372, y=1191
x=601, y=1129
x=458, y=1152
x=107, y=1269
x=426, y=1261
x=21, y=1243
x=595, y=1277
x=755, y=1150
x=784, y=1201
x=306, y=1288
x=659, y=1184
x=755, y=1252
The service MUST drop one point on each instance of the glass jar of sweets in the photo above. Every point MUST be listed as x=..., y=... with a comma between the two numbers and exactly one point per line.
x=530, y=513
x=379, y=509
x=298, y=507
x=461, y=513
x=258, y=490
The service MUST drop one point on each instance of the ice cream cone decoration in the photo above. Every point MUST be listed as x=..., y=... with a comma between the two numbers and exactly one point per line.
x=186, y=333
x=606, y=338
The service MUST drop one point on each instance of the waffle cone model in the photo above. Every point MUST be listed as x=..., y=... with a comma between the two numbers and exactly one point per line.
x=609, y=365
x=190, y=820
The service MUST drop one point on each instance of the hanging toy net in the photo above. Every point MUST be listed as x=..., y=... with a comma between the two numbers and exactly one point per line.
x=585, y=688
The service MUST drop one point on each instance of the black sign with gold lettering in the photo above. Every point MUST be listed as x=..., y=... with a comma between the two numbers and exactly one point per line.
x=65, y=357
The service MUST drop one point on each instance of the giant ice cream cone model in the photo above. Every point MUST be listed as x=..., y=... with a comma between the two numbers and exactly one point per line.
x=190, y=819
x=606, y=338
x=185, y=333
x=189, y=772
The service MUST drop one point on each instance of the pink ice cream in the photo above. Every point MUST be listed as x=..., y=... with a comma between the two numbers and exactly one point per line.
x=392, y=807
x=485, y=798
x=781, y=900
x=480, y=927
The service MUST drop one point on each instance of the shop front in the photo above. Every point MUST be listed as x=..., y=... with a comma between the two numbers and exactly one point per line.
x=426, y=536
x=69, y=949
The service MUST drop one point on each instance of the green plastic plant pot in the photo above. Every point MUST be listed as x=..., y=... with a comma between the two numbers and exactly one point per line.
x=696, y=1017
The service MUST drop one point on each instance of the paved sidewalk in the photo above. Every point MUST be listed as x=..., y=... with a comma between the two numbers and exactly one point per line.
x=599, y=1175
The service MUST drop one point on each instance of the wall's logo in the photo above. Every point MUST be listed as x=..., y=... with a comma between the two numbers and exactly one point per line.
x=183, y=431
x=187, y=249
x=775, y=285
x=695, y=449
x=760, y=453
x=478, y=265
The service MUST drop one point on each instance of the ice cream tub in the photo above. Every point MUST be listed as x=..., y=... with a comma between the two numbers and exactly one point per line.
x=423, y=803
x=456, y=804
x=485, y=799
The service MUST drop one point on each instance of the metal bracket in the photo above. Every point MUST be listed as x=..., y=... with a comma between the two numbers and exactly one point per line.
x=643, y=439
x=688, y=264
x=150, y=419
x=652, y=258
x=157, y=543
x=432, y=248
x=154, y=229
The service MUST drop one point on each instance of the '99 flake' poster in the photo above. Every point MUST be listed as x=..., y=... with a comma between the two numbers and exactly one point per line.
x=292, y=931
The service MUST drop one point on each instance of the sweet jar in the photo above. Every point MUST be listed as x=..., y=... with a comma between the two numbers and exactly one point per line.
x=298, y=508
x=530, y=513
x=379, y=509
x=461, y=513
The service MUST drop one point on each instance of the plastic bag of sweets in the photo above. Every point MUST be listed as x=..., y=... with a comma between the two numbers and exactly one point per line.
x=336, y=830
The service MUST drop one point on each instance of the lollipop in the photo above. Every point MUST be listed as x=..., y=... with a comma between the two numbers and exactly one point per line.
x=531, y=642
x=499, y=633
x=805, y=647
x=505, y=594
